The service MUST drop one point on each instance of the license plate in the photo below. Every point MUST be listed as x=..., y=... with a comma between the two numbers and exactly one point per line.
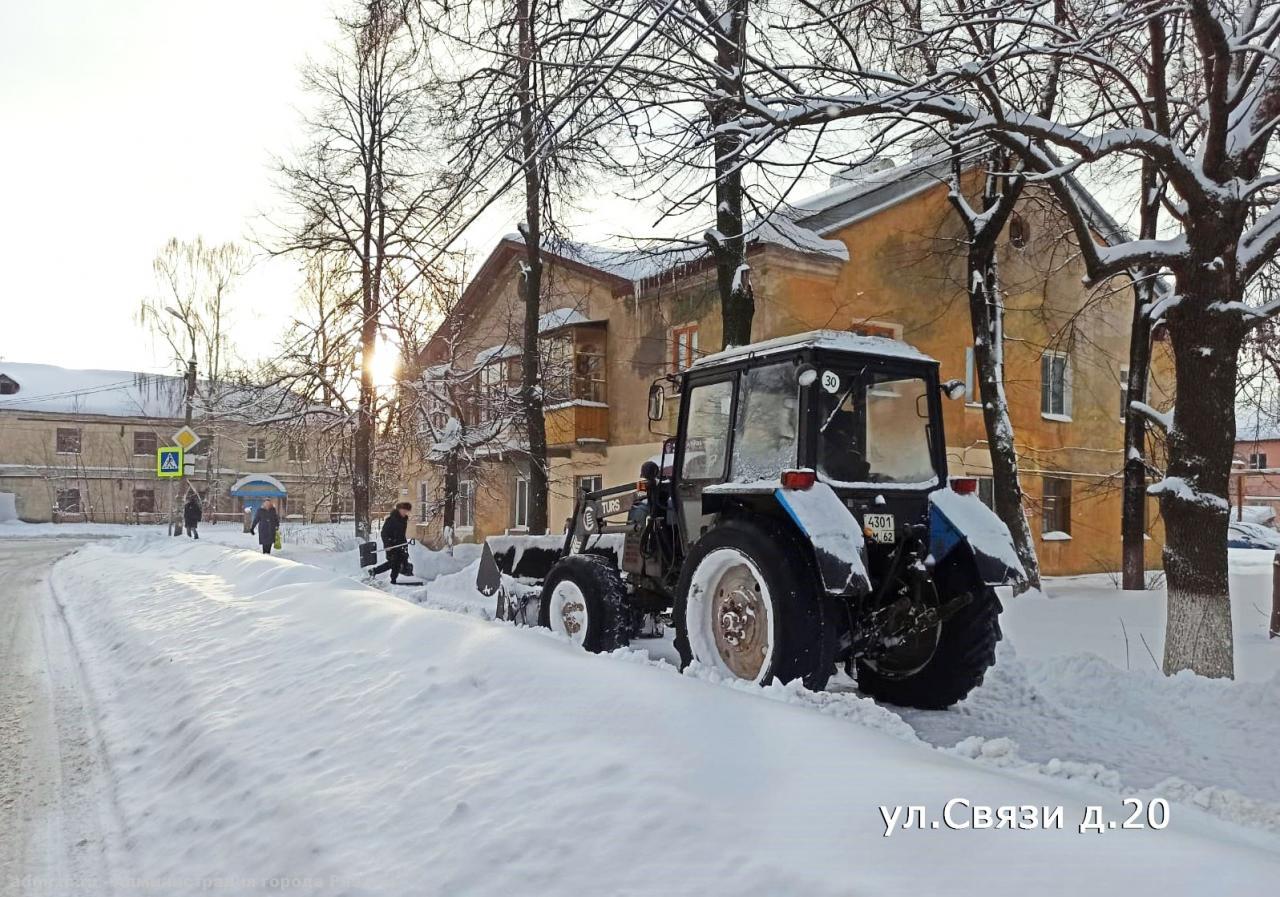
x=881, y=526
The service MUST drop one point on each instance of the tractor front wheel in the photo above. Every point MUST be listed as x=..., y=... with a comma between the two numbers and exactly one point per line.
x=584, y=599
x=750, y=608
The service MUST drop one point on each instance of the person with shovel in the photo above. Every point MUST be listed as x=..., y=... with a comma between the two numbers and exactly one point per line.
x=395, y=542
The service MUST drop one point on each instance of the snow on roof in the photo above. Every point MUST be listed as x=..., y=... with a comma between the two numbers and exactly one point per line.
x=48, y=388
x=560, y=317
x=493, y=353
x=838, y=340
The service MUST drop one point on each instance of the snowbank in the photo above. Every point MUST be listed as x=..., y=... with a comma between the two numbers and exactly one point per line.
x=266, y=719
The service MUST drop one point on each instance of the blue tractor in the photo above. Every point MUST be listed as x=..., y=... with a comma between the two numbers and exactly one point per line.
x=801, y=517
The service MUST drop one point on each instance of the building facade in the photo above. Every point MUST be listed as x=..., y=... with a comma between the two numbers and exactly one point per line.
x=882, y=255
x=81, y=446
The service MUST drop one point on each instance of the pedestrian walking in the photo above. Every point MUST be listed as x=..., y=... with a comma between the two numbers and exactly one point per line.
x=267, y=523
x=395, y=542
x=192, y=514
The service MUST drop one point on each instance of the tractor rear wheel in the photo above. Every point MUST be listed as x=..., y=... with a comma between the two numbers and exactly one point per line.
x=584, y=599
x=964, y=649
x=749, y=607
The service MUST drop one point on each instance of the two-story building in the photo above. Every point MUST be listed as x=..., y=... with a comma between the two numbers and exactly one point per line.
x=81, y=445
x=879, y=254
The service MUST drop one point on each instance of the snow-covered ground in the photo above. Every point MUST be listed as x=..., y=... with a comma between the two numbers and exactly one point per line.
x=265, y=718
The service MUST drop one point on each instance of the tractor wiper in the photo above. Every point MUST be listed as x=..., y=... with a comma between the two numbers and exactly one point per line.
x=857, y=378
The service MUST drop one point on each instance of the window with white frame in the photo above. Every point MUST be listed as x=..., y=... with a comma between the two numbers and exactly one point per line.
x=1257, y=460
x=1055, y=385
x=1055, y=503
x=590, y=483
x=297, y=450
x=987, y=492
x=520, y=508
x=972, y=393
x=465, y=511
x=255, y=449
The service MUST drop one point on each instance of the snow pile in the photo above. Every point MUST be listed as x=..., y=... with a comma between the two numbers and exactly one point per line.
x=266, y=720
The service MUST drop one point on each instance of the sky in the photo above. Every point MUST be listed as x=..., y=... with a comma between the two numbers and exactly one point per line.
x=126, y=123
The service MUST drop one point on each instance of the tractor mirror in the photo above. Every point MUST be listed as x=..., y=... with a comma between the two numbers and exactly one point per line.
x=657, y=401
x=953, y=389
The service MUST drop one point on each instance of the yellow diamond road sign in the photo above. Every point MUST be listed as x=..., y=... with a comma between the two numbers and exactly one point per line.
x=186, y=438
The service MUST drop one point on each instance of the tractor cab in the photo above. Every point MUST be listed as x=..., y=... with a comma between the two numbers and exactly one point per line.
x=859, y=414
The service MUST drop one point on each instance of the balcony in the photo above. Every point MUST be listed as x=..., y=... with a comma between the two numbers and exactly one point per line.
x=577, y=407
x=576, y=421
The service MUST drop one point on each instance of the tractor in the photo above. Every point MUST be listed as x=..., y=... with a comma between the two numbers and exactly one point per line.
x=801, y=517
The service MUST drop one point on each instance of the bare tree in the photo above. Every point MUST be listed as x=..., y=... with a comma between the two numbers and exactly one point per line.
x=1207, y=127
x=191, y=313
x=360, y=195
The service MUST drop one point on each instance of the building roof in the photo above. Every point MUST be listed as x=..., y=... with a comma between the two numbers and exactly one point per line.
x=46, y=388
x=837, y=340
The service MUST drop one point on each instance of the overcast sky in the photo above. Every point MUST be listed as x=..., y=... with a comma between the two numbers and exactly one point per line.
x=126, y=123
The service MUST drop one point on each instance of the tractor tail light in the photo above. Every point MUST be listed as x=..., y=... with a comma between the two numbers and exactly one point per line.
x=964, y=485
x=798, y=479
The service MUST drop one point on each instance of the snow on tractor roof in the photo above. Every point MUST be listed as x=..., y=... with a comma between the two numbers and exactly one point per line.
x=835, y=340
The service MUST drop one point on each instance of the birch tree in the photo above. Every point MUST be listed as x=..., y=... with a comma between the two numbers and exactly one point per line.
x=1208, y=127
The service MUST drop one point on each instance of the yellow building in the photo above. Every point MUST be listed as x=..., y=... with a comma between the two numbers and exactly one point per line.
x=880, y=254
x=80, y=445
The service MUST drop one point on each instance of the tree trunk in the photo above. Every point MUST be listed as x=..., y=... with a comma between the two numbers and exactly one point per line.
x=729, y=244
x=450, y=499
x=1193, y=496
x=1133, y=514
x=531, y=394
x=986, y=318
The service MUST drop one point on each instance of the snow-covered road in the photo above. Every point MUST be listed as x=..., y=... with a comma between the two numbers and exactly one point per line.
x=56, y=793
x=269, y=721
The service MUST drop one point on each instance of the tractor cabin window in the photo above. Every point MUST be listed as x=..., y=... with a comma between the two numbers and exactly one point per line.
x=68, y=441
x=1055, y=520
x=765, y=438
x=707, y=433
x=874, y=428
x=684, y=346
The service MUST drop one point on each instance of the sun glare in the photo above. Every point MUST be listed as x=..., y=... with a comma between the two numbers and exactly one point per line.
x=384, y=366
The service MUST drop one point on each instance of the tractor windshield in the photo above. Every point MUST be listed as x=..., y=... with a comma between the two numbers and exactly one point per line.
x=873, y=428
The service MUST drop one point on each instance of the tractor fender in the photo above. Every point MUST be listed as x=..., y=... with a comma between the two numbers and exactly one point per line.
x=956, y=519
x=834, y=535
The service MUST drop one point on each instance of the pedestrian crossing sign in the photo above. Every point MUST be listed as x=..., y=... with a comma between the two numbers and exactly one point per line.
x=169, y=461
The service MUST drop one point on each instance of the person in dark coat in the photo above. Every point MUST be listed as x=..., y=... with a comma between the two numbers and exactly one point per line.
x=395, y=541
x=266, y=522
x=192, y=514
